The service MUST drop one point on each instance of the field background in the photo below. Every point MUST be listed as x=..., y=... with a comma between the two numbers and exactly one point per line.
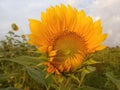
x=18, y=72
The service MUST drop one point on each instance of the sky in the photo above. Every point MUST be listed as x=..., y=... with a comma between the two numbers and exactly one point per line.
x=19, y=11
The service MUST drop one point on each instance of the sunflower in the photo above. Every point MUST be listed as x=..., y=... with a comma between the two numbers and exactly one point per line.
x=67, y=36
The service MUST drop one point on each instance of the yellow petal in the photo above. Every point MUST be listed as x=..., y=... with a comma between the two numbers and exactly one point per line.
x=101, y=47
x=52, y=53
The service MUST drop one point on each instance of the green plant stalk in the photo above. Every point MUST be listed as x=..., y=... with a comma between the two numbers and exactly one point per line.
x=81, y=79
x=67, y=82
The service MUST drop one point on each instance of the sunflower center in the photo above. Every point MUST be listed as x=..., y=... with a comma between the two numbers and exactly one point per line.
x=68, y=44
x=67, y=52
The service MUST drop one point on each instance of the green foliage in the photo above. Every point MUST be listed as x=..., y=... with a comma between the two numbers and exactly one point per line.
x=110, y=58
x=14, y=45
x=37, y=75
x=15, y=55
x=115, y=81
x=86, y=88
x=21, y=69
x=4, y=77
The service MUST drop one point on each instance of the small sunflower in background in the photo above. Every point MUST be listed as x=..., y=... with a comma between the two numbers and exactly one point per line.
x=23, y=36
x=14, y=27
x=67, y=36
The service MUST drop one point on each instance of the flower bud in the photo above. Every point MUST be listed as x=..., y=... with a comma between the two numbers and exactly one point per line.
x=14, y=27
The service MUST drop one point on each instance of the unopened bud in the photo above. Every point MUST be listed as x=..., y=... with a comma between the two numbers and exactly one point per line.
x=23, y=36
x=14, y=27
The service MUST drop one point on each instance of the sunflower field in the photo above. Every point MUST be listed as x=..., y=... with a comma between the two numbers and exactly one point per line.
x=64, y=51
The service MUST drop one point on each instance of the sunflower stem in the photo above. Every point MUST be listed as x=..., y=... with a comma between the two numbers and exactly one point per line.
x=81, y=79
x=67, y=82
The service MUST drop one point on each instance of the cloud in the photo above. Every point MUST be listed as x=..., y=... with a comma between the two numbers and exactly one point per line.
x=109, y=13
x=20, y=11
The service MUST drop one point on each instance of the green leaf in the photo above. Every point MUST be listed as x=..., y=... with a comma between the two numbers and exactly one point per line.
x=4, y=77
x=1, y=55
x=74, y=77
x=86, y=88
x=54, y=86
x=88, y=69
x=38, y=76
x=10, y=88
x=91, y=68
x=115, y=81
x=24, y=60
x=90, y=62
